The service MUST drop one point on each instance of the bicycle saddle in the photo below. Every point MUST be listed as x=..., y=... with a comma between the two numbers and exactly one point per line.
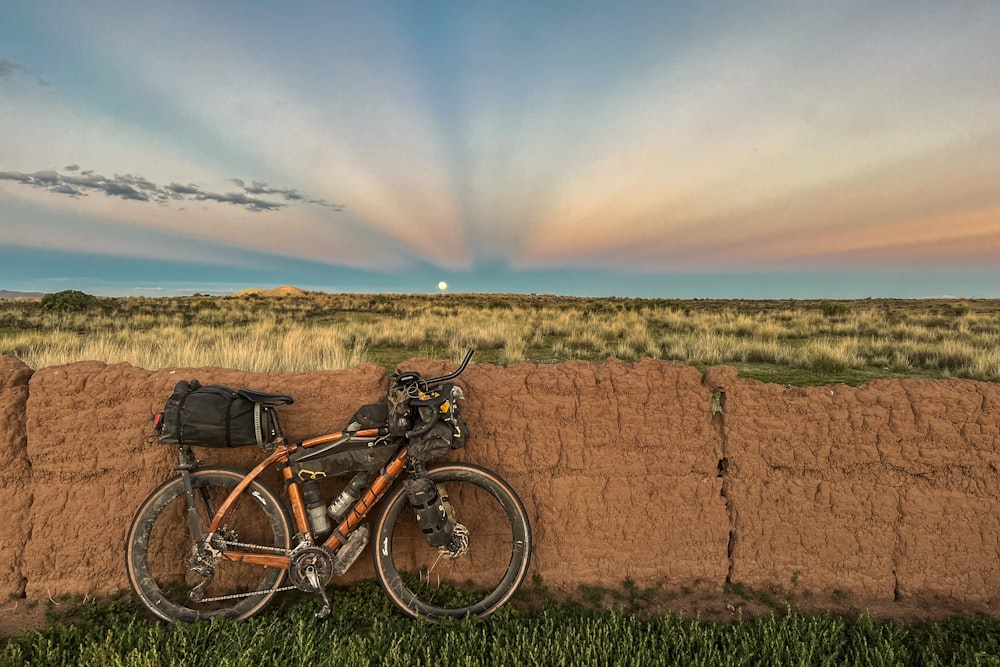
x=263, y=397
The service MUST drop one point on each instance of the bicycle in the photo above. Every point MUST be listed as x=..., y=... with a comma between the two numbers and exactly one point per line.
x=451, y=539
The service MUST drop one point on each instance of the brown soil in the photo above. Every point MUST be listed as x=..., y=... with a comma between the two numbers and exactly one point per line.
x=20, y=616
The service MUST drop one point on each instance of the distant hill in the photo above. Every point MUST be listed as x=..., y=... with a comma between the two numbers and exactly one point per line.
x=284, y=290
x=7, y=294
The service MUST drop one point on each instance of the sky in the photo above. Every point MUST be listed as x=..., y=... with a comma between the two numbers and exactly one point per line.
x=716, y=149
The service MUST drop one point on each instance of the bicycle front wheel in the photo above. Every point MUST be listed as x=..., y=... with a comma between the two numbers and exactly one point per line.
x=160, y=553
x=430, y=582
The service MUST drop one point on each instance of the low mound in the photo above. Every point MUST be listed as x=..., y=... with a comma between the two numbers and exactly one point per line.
x=284, y=290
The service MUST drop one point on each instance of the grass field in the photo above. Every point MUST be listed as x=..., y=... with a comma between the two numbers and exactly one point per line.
x=789, y=342
x=364, y=630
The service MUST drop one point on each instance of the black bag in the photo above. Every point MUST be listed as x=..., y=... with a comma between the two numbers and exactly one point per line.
x=343, y=458
x=449, y=433
x=374, y=415
x=393, y=415
x=214, y=416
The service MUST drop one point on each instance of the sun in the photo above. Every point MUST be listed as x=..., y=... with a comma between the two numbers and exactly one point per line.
x=442, y=285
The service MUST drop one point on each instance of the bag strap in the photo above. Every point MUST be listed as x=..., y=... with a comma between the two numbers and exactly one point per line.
x=257, y=419
x=180, y=420
x=229, y=419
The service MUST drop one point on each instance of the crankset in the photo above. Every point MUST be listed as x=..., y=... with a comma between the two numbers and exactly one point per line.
x=311, y=570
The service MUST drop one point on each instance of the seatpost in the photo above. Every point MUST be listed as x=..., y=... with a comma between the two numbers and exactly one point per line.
x=186, y=463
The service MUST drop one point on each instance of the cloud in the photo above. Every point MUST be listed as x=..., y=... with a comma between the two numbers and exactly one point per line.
x=9, y=69
x=288, y=194
x=257, y=197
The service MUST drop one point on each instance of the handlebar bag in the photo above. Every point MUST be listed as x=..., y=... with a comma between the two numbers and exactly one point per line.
x=449, y=433
x=214, y=416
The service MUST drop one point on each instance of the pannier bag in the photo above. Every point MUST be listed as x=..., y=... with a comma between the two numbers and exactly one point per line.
x=214, y=416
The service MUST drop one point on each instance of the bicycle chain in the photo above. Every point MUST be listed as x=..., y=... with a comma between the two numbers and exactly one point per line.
x=259, y=547
x=234, y=596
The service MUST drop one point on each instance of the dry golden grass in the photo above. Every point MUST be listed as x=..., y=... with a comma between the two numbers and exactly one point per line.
x=786, y=341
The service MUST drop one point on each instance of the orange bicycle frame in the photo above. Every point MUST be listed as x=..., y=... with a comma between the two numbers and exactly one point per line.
x=354, y=517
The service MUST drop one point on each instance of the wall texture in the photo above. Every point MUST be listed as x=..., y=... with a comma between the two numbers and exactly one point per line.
x=15, y=475
x=650, y=471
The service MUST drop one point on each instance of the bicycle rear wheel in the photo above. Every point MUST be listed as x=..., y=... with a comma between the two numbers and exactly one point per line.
x=159, y=548
x=426, y=581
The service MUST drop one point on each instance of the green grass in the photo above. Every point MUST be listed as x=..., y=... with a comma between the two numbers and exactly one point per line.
x=364, y=630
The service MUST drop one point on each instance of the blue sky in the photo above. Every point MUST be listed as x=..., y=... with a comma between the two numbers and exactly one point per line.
x=675, y=149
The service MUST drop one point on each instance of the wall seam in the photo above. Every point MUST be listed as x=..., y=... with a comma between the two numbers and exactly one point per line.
x=718, y=410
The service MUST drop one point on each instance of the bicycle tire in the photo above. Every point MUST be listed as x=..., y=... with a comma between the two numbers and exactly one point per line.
x=424, y=582
x=159, y=543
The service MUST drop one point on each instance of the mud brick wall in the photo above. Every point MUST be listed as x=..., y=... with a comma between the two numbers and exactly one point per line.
x=616, y=463
x=650, y=471
x=887, y=490
x=15, y=475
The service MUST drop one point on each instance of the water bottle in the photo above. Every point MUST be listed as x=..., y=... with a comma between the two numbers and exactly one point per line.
x=313, y=497
x=345, y=501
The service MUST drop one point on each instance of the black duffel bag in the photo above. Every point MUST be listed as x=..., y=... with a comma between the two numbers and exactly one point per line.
x=214, y=416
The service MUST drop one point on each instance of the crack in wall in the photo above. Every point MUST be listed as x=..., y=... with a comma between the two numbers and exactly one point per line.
x=718, y=410
x=897, y=547
x=22, y=586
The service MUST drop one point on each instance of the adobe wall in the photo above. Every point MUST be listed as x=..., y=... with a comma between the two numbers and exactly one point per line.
x=887, y=490
x=15, y=475
x=649, y=471
x=616, y=463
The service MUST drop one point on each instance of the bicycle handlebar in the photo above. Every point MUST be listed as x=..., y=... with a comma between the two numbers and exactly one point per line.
x=436, y=417
x=412, y=377
x=451, y=376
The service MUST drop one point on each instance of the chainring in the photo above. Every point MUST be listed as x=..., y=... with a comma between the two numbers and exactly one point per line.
x=311, y=568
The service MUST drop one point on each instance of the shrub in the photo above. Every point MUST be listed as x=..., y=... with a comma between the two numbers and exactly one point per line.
x=70, y=301
x=204, y=304
x=833, y=308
